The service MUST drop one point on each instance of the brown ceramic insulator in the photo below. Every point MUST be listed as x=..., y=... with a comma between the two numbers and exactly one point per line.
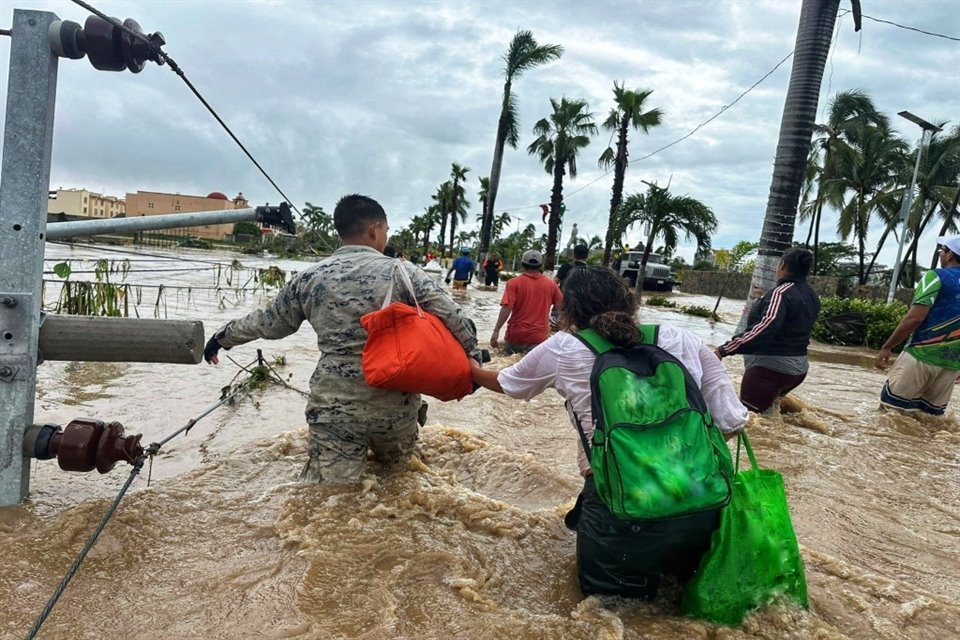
x=114, y=446
x=76, y=447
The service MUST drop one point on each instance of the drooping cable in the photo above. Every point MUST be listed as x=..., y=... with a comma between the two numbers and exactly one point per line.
x=176, y=69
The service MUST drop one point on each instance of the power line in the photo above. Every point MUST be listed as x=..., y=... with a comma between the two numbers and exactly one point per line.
x=903, y=26
x=718, y=113
x=177, y=70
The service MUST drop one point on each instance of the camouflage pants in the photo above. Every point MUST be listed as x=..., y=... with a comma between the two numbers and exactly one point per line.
x=338, y=452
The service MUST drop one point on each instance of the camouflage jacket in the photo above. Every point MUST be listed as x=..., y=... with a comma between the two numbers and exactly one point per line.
x=332, y=296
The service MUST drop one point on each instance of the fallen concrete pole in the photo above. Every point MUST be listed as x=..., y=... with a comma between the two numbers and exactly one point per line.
x=79, y=228
x=101, y=339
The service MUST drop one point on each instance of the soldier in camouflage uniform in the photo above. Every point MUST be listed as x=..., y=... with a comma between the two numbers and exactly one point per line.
x=345, y=416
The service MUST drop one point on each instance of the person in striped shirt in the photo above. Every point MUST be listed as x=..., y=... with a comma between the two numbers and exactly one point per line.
x=774, y=345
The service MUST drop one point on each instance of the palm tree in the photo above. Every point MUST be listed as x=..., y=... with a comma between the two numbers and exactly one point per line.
x=500, y=223
x=559, y=141
x=429, y=221
x=667, y=215
x=949, y=221
x=939, y=168
x=849, y=112
x=814, y=33
x=629, y=111
x=318, y=226
x=441, y=208
x=868, y=169
x=458, y=198
x=483, y=195
x=522, y=55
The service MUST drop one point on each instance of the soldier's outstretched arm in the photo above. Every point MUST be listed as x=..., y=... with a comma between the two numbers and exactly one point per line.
x=279, y=319
x=435, y=300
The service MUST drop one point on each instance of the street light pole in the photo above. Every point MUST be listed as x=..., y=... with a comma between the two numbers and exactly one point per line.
x=908, y=196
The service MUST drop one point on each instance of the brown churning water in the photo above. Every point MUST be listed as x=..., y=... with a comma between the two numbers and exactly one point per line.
x=468, y=540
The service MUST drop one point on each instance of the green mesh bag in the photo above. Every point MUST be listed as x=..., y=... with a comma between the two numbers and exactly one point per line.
x=655, y=451
x=753, y=556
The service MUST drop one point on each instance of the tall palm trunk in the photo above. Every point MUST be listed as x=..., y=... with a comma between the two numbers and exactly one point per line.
x=455, y=206
x=813, y=220
x=861, y=239
x=818, y=211
x=443, y=229
x=648, y=245
x=816, y=238
x=556, y=201
x=814, y=33
x=619, y=172
x=502, y=126
x=453, y=230
x=883, y=238
x=912, y=250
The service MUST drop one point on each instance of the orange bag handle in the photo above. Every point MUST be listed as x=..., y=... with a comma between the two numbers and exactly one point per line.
x=398, y=266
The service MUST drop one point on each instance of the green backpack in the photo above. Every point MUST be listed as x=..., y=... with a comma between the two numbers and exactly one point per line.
x=656, y=452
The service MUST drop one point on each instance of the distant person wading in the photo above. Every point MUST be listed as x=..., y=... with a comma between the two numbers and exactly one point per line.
x=525, y=306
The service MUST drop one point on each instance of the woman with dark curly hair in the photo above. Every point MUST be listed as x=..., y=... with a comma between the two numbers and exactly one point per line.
x=617, y=556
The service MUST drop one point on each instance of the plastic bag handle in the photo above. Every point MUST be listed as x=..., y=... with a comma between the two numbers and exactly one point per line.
x=398, y=266
x=742, y=437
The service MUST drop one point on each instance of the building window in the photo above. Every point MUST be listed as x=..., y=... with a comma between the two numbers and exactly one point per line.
x=84, y=209
x=149, y=205
x=177, y=208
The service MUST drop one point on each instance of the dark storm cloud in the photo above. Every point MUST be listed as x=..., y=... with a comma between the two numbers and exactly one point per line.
x=382, y=97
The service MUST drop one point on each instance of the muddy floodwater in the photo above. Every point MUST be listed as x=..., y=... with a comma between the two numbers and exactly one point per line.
x=465, y=542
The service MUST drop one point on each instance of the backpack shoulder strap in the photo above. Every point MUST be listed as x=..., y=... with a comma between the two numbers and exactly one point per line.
x=650, y=333
x=594, y=341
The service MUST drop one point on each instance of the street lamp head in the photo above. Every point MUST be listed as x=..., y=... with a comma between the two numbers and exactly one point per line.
x=920, y=122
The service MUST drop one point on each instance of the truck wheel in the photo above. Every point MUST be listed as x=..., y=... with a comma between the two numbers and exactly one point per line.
x=632, y=281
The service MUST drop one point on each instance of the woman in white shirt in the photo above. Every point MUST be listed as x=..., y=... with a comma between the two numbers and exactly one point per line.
x=616, y=556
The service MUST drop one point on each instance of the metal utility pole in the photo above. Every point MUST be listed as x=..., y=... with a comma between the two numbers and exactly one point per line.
x=930, y=129
x=27, y=146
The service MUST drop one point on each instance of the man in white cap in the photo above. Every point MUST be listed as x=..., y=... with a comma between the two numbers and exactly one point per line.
x=923, y=376
x=526, y=302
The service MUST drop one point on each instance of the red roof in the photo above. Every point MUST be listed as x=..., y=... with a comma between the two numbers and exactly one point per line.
x=216, y=195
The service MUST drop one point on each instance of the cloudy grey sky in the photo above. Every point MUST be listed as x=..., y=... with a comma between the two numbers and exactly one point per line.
x=380, y=97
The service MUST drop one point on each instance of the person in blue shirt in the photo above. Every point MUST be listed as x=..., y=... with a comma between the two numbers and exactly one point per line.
x=924, y=374
x=462, y=270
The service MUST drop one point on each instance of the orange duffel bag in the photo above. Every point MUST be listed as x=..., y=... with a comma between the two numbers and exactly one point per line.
x=411, y=350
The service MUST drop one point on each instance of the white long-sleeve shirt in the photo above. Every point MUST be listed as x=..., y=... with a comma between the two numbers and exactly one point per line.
x=565, y=363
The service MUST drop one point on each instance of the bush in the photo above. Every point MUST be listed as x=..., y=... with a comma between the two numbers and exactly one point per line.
x=851, y=322
x=660, y=301
x=696, y=310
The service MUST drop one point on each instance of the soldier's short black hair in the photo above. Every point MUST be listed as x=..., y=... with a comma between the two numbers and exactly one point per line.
x=581, y=251
x=797, y=261
x=354, y=213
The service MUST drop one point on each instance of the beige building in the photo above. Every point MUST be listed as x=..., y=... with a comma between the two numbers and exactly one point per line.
x=152, y=203
x=80, y=202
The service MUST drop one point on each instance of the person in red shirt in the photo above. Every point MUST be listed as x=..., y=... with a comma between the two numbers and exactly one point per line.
x=526, y=303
